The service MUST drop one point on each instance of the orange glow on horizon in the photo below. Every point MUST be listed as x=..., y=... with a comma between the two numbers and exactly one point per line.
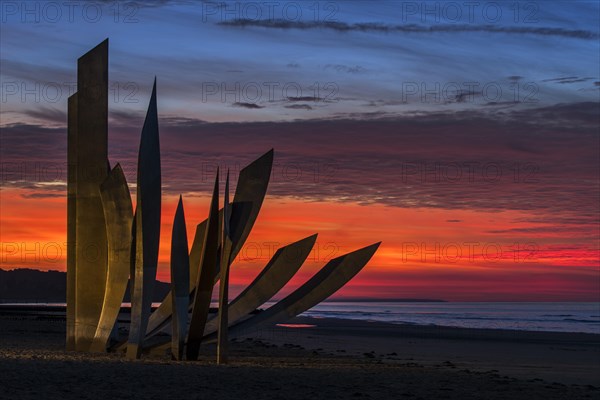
x=426, y=253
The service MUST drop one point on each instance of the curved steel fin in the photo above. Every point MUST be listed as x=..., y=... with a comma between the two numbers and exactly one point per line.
x=249, y=195
x=281, y=268
x=118, y=214
x=335, y=274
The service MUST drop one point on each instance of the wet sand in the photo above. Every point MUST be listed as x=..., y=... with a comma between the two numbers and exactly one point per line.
x=334, y=359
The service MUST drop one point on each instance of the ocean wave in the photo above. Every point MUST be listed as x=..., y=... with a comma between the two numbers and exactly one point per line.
x=557, y=315
x=587, y=321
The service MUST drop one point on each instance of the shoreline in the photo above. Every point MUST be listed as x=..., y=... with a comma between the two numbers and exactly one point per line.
x=558, y=364
x=434, y=330
x=58, y=311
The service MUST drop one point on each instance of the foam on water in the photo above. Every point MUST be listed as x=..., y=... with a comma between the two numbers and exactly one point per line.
x=554, y=317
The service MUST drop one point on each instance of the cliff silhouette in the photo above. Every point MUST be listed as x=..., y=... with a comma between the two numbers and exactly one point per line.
x=27, y=285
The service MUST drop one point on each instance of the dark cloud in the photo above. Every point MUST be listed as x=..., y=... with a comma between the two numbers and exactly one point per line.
x=299, y=107
x=151, y=4
x=568, y=79
x=52, y=115
x=549, y=228
x=377, y=103
x=538, y=160
x=43, y=195
x=182, y=122
x=454, y=220
x=585, y=114
x=501, y=103
x=22, y=142
x=522, y=146
x=356, y=69
x=465, y=95
x=47, y=76
x=304, y=98
x=125, y=118
x=407, y=28
x=373, y=115
x=252, y=106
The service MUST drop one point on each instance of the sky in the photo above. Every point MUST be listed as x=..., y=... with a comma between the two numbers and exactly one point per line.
x=463, y=135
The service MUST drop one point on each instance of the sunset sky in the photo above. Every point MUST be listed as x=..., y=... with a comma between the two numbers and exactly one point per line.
x=465, y=138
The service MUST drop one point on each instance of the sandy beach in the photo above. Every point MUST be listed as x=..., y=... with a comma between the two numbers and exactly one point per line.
x=325, y=359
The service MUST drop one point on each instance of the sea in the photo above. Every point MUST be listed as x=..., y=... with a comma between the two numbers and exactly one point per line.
x=551, y=317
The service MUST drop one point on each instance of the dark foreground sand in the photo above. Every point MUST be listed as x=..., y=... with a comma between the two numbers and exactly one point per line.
x=337, y=359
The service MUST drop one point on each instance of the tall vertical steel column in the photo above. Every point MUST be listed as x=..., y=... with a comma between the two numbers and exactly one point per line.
x=91, y=160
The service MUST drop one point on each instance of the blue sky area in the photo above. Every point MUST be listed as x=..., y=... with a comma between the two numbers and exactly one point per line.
x=282, y=61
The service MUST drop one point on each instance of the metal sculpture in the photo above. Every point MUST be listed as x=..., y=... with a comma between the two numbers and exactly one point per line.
x=91, y=153
x=118, y=214
x=283, y=265
x=147, y=229
x=323, y=284
x=162, y=315
x=100, y=217
x=71, y=218
x=249, y=196
x=180, y=273
x=205, y=280
x=226, y=247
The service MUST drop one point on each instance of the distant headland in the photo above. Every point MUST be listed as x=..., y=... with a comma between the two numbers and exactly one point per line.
x=26, y=285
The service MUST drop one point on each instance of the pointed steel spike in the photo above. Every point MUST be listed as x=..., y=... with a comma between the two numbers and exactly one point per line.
x=118, y=214
x=180, y=276
x=283, y=265
x=226, y=247
x=249, y=195
x=204, y=282
x=161, y=316
x=147, y=228
x=226, y=208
